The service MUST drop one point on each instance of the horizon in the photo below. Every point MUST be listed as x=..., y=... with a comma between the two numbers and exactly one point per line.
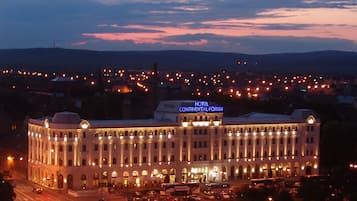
x=254, y=27
x=180, y=50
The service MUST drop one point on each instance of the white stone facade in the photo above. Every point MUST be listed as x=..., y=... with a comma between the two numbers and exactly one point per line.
x=186, y=141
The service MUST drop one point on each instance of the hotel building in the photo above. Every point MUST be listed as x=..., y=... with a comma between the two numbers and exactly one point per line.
x=186, y=141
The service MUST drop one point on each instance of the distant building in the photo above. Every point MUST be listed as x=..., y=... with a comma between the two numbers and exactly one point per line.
x=186, y=141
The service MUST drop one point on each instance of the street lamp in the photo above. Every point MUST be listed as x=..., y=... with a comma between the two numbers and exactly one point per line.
x=10, y=161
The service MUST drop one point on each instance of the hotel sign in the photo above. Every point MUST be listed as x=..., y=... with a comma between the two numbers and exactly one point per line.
x=200, y=106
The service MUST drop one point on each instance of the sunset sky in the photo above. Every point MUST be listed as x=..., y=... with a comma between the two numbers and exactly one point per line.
x=242, y=26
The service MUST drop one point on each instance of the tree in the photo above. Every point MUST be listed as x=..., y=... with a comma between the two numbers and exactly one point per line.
x=6, y=190
x=314, y=189
x=283, y=196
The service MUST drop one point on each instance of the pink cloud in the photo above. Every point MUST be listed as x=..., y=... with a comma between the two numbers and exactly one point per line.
x=80, y=43
x=312, y=22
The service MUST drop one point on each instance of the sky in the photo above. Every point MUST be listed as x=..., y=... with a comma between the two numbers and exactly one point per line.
x=239, y=26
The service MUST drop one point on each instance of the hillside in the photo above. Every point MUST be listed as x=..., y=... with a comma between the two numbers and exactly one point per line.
x=57, y=59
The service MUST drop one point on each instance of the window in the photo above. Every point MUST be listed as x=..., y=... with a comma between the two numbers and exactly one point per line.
x=296, y=140
x=84, y=135
x=257, y=154
x=105, y=161
x=144, y=159
x=224, y=142
x=195, y=157
x=69, y=148
x=114, y=161
x=273, y=140
x=135, y=160
x=265, y=154
x=95, y=147
x=155, y=159
x=281, y=140
x=224, y=156
x=84, y=148
x=311, y=140
x=257, y=141
x=241, y=142
x=155, y=145
x=84, y=162
x=126, y=146
x=60, y=148
x=144, y=145
x=184, y=158
x=240, y=155
x=60, y=162
x=184, y=144
x=194, y=144
x=164, y=145
x=172, y=144
x=70, y=162
x=163, y=158
x=289, y=140
x=172, y=158
x=233, y=143
x=126, y=160
x=105, y=147
x=215, y=157
x=249, y=141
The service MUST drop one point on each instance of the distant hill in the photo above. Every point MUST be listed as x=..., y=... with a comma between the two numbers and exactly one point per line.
x=57, y=59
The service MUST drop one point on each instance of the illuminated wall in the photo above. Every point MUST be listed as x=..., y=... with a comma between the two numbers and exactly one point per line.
x=177, y=145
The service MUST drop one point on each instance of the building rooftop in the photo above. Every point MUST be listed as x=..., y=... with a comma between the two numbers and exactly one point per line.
x=166, y=115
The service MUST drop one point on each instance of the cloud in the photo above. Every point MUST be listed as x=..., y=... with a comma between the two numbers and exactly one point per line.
x=192, y=24
x=192, y=8
x=80, y=43
x=129, y=29
x=120, y=2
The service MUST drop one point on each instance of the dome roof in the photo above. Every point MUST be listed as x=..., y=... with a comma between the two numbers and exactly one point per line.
x=66, y=118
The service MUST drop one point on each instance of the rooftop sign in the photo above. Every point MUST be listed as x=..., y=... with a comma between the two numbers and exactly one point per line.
x=200, y=106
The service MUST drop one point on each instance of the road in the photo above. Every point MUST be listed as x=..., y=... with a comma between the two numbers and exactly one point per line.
x=24, y=192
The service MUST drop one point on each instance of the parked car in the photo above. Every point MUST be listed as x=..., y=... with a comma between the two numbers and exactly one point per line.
x=37, y=189
x=194, y=198
x=209, y=195
x=225, y=195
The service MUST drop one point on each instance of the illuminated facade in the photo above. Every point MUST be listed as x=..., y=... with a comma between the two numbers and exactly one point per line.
x=186, y=141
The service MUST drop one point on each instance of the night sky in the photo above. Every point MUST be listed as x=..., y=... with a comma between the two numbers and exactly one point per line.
x=244, y=26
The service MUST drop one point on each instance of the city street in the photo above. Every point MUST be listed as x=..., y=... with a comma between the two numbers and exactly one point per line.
x=24, y=192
